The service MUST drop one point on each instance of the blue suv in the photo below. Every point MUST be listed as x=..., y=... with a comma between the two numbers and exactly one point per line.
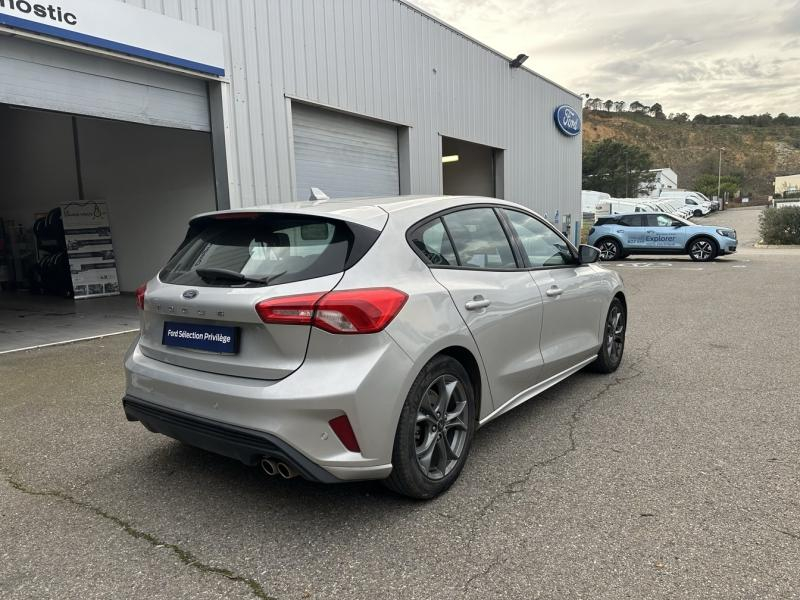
x=617, y=236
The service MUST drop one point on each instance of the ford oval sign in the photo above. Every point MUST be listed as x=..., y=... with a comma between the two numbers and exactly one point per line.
x=567, y=120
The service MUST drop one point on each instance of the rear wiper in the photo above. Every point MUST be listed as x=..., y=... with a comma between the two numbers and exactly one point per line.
x=211, y=274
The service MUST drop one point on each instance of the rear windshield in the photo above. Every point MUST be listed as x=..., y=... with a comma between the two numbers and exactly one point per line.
x=265, y=249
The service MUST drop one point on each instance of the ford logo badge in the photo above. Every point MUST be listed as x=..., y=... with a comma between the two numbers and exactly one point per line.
x=189, y=294
x=567, y=120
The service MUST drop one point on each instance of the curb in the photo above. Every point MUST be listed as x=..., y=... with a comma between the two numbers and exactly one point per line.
x=777, y=246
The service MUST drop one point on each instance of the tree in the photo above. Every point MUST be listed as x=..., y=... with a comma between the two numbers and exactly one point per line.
x=608, y=104
x=680, y=117
x=707, y=184
x=616, y=168
x=619, y=105
x=636, y=106
x=657, y=111
x=764, y=120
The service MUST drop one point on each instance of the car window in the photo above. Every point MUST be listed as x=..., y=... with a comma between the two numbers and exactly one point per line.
x=542, y=245
x=660, y=221
x=632, y=221
x=479, y=239
x=271, y=248
x=431, y=240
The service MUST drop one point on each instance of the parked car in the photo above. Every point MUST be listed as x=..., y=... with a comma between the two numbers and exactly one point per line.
x=671, y=207
x=619, y=236
x=365, y=339
x=692, y=199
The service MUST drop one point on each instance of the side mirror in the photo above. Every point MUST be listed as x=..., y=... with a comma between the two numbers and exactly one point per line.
x=678, y=224
x=588, y=254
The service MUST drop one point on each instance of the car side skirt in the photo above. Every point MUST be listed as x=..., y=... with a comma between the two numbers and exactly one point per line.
x=651, y=251
x=535, y=390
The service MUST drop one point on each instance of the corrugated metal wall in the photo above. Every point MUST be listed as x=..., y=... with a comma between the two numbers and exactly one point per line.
x=387, y=60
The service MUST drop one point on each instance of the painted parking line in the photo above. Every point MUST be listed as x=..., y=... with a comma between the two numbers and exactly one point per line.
x=648, y=265
x=72, y=341
x=677, y=266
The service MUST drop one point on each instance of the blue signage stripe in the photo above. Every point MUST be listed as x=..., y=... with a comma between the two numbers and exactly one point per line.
x=90, y=40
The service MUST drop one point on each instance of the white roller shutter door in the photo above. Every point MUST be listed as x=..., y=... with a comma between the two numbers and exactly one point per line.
x=343, y=155
x=52, y=78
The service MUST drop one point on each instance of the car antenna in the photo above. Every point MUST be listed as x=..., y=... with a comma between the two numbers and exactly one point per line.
x=317, y=195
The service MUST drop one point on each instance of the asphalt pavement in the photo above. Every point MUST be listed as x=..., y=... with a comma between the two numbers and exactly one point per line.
x=676, y=477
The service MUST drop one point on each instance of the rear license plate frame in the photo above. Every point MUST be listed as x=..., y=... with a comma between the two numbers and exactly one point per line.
x=214, y=339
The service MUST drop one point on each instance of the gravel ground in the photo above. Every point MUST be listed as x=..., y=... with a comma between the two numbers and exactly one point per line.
x=677, y=477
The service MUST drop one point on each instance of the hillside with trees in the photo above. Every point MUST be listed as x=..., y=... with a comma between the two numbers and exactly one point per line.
x=757, y=147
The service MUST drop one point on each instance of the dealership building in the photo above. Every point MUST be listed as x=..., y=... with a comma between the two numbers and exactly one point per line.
x=161, y=109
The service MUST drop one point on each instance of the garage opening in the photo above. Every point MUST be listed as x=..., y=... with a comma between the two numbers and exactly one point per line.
x=343, y=155
x=140, y=183
x=471, y=169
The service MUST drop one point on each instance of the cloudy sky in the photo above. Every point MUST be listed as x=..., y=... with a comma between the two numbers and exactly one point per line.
x=695, y=56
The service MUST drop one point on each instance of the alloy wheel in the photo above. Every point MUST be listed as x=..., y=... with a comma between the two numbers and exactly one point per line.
x=440, y=433
x=608, y=250
x=702, y=250
x=615, y=333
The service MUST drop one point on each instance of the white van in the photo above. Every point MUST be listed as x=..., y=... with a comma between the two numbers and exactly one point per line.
x=590, y=200
x=619, y=206
x=698, y=202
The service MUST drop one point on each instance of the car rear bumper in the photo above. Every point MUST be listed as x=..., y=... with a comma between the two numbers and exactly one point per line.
x=245, y=445
x=240, y=417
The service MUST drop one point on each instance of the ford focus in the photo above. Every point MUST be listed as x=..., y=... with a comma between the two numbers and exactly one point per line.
x=365, y=339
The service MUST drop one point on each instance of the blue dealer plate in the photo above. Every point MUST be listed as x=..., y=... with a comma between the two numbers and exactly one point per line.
x=210, y=338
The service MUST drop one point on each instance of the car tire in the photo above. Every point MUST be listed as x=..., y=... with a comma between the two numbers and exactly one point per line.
x=698, y=213
x=431, y=443
x=610, y=354
x=610, y=249
x=703, y=249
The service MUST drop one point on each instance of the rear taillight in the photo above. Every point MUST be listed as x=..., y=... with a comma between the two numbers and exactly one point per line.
x=344, y=431
x=359, y=311
x=349, y=311
x=140, y=296
x=289, y=310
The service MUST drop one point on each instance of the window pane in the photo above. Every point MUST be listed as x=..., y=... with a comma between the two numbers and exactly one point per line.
x=664, y=221
x=479, y=239
x=543, y=247
x=431, y=239
x=631, y=221
x=273, y=248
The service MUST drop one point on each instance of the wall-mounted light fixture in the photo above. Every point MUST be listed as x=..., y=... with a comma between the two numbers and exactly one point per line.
x=451, y=158
x=517, y=62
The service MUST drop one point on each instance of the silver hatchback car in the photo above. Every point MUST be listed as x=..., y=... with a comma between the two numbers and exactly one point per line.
x=365, y=339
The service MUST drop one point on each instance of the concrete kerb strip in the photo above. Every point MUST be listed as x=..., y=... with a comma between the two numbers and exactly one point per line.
x=777, y=246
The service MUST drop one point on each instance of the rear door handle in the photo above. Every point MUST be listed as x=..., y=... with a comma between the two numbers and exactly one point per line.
x=477, y=303
x=554, y=291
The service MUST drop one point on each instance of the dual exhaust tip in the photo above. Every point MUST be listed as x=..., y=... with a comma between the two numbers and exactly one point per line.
x=273, y=467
